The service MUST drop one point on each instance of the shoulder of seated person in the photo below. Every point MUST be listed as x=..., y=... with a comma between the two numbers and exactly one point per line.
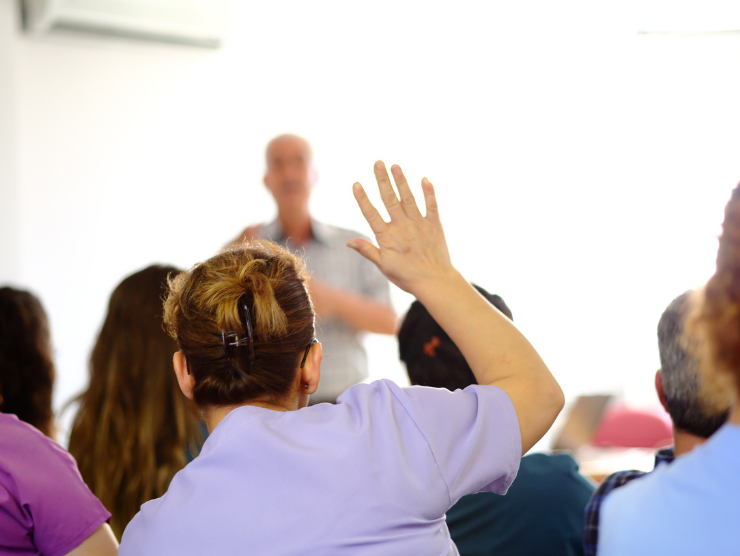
x=17, y=431
x=23, y=440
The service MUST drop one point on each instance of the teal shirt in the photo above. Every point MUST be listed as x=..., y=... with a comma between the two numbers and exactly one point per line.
x=540, y=515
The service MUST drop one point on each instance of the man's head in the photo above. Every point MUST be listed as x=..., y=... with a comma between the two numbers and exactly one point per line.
x=677, y=380
x=290, y=175
x=431, y=357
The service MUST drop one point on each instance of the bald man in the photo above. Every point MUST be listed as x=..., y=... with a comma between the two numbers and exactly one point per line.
x=350, y=294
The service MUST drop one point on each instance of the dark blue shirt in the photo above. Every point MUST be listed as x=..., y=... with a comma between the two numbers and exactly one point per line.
x=540, y=515
x=615, y=480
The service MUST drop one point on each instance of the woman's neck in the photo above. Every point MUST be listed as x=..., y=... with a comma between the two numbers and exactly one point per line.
x=214, y=415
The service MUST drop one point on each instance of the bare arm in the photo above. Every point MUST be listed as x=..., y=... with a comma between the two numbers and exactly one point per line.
x=101, y=543
x=413, y=254
x=359, y=312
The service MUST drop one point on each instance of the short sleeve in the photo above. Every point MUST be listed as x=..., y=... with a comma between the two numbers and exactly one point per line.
x=57, y=507
x=473, y=435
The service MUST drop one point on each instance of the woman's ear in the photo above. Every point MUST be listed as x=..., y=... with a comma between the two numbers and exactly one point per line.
x=184, y=377
x=311, y=371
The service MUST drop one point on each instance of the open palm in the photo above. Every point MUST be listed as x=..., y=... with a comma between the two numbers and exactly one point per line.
x=411, y=247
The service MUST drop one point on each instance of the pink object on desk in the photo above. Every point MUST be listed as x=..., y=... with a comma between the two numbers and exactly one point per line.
x=633, y=428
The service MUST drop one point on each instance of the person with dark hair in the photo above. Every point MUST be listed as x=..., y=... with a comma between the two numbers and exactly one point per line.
x=45, y=507
x=677, y=385
x=26, y=368
x=350, y=296
x=431, y=358
x=133, y=428
x=542, y=513
x=373, y=473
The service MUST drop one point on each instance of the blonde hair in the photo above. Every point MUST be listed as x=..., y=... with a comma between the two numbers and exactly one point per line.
x=212, y=300
x=133, y=426
x=715, y=321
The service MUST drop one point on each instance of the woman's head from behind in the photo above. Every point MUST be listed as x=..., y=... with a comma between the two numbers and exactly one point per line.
x=133, y=427
x=26, y=369
x=716, y=320
x=243, y=320
x=431, y=357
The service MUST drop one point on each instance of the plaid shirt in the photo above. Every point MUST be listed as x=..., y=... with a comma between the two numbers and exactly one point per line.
x=331, y=262
x=615, y=480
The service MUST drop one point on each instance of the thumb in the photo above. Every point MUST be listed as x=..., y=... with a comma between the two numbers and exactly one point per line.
x=366, y=249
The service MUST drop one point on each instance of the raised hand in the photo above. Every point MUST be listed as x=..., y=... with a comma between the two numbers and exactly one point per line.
x=411, y=248
x=413, y=254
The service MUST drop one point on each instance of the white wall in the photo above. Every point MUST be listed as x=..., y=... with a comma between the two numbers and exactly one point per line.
x=582, y=169
x=9, y=209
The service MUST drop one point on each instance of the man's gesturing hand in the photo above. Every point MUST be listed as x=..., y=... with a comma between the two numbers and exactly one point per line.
x=412, y=250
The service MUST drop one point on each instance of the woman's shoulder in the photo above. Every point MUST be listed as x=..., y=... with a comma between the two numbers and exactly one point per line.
x=387, y=391
x=22, y=445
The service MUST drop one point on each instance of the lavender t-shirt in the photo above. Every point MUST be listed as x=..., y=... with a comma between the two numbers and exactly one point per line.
x=45, y=507
x=373, y=474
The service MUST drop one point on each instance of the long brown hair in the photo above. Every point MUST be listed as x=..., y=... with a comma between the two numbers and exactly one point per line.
x=26, y=369
x=716, y=320
x=209, y=301
x=133, y=425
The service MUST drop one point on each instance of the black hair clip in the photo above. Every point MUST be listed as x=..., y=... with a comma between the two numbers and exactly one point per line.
x=232, y=339
x=305, y=354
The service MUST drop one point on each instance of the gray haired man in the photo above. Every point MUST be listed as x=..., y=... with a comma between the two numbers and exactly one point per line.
x=677, y=384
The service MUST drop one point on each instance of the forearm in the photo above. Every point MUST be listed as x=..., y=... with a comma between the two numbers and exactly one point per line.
x=102, y=542
x=364, y=314
x=497, y=353
x=491, y=344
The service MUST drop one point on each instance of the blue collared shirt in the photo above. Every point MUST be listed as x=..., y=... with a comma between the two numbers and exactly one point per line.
x=331, y=262
x=687, y=508
x=615, y=480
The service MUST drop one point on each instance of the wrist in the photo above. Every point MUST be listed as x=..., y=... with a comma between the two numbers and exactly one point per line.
x=434, y=285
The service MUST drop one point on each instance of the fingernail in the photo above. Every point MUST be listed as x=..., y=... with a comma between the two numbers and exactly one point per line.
x=353, y=244
x=379, y=165
x=396, y=169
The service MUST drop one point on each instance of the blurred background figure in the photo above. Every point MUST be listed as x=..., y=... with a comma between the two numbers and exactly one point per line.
x=542, y=513
x=45, y=507
x=677, y=384
x=26, y=368
x=349, y=293
x=134, y=429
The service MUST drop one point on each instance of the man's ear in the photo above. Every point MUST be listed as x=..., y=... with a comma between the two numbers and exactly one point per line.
x=311, y=371
x=659, y=389
x=184, y=377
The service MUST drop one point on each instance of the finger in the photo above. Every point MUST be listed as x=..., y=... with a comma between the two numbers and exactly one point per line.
x=371, y=214
x=366, y=249
x=430, y=199
x=386, y=191
x=408, y=203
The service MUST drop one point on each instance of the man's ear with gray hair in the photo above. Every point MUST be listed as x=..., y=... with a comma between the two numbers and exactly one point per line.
x=659, y=389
